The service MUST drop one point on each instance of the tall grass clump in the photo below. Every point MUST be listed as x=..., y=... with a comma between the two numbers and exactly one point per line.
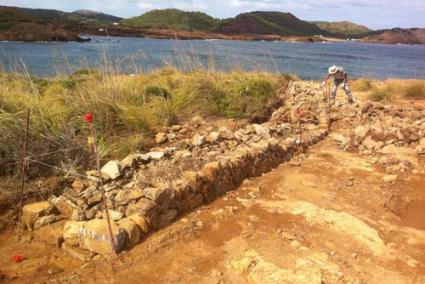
x=380, y=95
x=415, y=91
x=127, y=110
x=362, y=85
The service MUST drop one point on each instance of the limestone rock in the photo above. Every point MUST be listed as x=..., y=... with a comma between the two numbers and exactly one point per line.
x=261, y=131
x=156, y=155
x=78, y=185
x=226, y=133
x=361, y=131
x=126, y=196
x=31, y=213
x=112, y=169
x=95, y=237
x=72, y=231
x=160, y=138
x=141, y=222
x=146, y=208
x=198, y=140
x=115, y=215
x=213, y=137
x=130, y=161
x=161, y=196
x=167, y=217
x=132, y=232
x=64, y=206
x=46, y=220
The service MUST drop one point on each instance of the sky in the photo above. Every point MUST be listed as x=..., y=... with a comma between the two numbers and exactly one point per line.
x=377, y=14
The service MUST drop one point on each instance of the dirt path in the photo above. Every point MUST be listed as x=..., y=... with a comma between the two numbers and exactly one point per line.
x=330, y=219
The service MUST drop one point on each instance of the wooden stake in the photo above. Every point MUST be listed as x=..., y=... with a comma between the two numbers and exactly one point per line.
x=105, y=203
x=328, y=95
x=24, y=165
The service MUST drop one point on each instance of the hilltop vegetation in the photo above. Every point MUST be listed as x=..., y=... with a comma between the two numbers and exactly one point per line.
x=343, y=28
x=268, y=23
x=174, y=18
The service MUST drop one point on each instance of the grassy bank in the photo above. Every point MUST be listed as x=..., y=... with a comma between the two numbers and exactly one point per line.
x=390, y=90
x=127, y=110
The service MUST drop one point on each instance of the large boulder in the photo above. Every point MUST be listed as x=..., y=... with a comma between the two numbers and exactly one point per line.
x=132, y=232
x=161, y=196
x=141, y=222
x=147, y=208
x=72, y=231
x=95, y=237
x=31, y=213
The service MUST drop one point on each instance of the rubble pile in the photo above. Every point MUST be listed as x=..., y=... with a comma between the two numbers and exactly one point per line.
x=394, y=136
x=147, y=191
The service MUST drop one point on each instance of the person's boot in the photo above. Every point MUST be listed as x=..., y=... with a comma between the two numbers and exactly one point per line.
x=350, y=100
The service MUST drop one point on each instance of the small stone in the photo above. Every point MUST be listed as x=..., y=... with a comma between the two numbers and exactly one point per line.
x=112, y=169
x=176, y=128
x=115, y=215
x=226, y=133
x=46, y=220
x=95, y=199
x=213, y=137
x=198, y=140
x=78, y=253
x=130, y=161
x=156, y=155
x=261, y=131
x=390, y=178
x=78, y=185
x=161, y=137
x=126, y=196
x=31, y=213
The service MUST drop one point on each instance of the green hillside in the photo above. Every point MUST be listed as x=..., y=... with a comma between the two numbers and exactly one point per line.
x=343, y=28
x=268, y=23
x=17, y=14
x=174, y=18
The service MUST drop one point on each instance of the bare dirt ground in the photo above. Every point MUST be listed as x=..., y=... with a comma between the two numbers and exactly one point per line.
x=327, y=217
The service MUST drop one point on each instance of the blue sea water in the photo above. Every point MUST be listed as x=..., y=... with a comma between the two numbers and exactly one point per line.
x=130, y=55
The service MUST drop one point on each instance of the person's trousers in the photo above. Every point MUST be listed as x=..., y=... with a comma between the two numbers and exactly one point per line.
x=345, y=86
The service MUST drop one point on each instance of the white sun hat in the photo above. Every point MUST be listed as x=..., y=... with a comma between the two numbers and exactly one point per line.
x=333, y=69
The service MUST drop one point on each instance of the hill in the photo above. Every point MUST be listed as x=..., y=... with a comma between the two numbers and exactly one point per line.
x=397, y=35
x=18, y=24
x=268, y=23
x=59, y=17
x=174, y=18
x=343, y=28
x=88, y=16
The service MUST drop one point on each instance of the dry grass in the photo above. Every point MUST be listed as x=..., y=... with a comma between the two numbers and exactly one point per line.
x=390, y=90
x=127, y=109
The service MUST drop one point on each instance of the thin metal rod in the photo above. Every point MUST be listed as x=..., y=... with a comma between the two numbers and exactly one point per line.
x=105, y=203
x=24, y=165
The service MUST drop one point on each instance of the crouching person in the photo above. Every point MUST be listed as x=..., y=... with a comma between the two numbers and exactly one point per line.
x=340, y=77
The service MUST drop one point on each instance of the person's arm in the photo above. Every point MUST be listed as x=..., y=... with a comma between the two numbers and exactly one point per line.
x=325, y=79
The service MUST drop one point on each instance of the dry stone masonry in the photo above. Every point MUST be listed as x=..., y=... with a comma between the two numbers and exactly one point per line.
x=147, y=191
